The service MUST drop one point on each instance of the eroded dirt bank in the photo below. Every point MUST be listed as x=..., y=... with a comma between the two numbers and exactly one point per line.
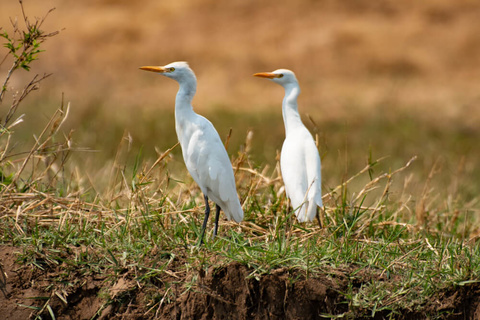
x=228, y=292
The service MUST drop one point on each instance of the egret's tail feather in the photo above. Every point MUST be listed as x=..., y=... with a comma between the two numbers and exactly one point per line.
x=300, y=212
x=311, y=210
x=307, y=211
x=234, y=211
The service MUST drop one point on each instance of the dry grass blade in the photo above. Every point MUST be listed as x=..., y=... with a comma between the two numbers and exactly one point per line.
x=166, y=153
x=265, y=179
x=421, y=209
x=383, y=197
x=365, y=169
x=40, y=144
x=29, y=87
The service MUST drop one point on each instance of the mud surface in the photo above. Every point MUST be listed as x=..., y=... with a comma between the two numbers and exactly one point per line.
x=228, y=292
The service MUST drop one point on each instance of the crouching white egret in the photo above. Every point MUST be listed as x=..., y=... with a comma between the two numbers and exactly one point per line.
x=299, y=159
x=203, y=152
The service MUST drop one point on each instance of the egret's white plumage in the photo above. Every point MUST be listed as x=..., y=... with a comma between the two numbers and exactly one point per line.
x=299, y=159
x=203, y=152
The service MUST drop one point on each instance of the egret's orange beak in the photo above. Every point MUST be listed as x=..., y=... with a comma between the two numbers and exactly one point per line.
x=154, y=69
x=268, y=75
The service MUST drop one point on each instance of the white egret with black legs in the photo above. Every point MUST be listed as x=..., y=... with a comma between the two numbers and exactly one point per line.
x=299, y=159
x=203, y=151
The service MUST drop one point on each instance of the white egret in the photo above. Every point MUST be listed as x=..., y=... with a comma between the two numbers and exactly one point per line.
x=299, y=159
x=204, y=154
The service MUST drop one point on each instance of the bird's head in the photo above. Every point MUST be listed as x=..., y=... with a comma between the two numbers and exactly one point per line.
x=176, y=70
x=283, y=77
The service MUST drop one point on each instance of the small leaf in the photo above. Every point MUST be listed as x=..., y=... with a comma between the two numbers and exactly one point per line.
x=51, y=312
x=30, y=307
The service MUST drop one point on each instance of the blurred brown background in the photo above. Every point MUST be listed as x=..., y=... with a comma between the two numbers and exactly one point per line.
x=407, y=72
x=419, y=54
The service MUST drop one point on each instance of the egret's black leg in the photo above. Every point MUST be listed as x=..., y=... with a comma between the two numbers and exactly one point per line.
x=207, y=213
x=321, y=216
x=319, y=219
x=217, y=215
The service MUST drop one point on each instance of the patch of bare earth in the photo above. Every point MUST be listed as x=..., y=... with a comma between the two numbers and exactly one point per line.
x=227, y=292
x=26, y=288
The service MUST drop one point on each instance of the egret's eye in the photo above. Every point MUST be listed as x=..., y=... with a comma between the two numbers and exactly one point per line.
x=280, y=75
x=172, y=69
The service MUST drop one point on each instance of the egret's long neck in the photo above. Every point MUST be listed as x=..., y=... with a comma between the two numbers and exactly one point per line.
x=291, y=118
x=184, y=113
x=188, y=87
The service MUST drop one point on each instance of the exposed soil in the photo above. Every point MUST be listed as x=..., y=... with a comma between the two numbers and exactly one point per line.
x=227, y=292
